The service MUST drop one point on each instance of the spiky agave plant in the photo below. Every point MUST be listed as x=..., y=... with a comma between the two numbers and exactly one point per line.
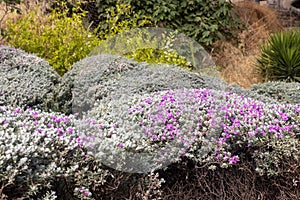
x=280, y=57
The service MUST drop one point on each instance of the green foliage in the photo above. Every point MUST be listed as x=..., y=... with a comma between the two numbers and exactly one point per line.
x=119, y=19
x=60, y=39
x=280, y=58
x=7, y=6
x=158, y=45
x=156, y=56
x=204, y=21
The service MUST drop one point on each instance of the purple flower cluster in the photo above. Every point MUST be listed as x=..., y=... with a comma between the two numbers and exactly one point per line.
x=203, y=118
x=37, y=122
x=44, y=146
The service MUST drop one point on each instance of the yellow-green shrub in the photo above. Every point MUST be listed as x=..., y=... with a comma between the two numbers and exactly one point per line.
x=120, y=18
x=60, y=39
x=151, y=55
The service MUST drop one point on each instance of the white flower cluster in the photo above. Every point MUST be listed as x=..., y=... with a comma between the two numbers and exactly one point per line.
x=38, y=149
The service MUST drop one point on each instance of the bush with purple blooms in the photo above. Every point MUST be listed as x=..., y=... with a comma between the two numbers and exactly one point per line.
x=41, y=152
x=207, y=126
x=177, y=123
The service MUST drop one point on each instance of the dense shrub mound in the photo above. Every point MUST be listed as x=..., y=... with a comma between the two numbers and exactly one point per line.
x=255, y=139
x=214, y=140
x=88, y=76
x=216, y=130
x=236, y=125
x=281, y=91
x=107, y=77
x=26, y=80
x=41, y=153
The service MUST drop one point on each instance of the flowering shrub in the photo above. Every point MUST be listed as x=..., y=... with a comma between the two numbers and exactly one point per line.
x=41, y=153
x=26, y=80
x=207, y=126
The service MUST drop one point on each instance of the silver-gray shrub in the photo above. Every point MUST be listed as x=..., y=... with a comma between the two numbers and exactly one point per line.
x=246, y=128
x=106, y=77
x=79, y=84
x=41, y=154
x=25, y=79
x=280, y=91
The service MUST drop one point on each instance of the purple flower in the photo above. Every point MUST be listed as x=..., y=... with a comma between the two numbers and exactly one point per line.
x=121, y=145
x=170, y=127
x=35, y=114
x=86, y=193
x=154, y=137
x=284, y=116
x=18, y=110
x=66, y=119
x=234, y=159
x=57, y=120
x=148, y=100
x=169, y=116
x=78, y=140
x=70, y=130
x=59, y=130
x=39, y=130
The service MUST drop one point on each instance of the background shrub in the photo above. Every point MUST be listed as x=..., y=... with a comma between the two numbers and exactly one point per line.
x=204, y=21
x=158, y=56
x=26, y=80
x=280, y=58
x=105, y=77
x=120, y=18
x=8, y=7
x=56, y=37
x=281, y=91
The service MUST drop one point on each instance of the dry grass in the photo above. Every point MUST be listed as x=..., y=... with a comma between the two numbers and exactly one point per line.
x=27, y=5
x=238, y=60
